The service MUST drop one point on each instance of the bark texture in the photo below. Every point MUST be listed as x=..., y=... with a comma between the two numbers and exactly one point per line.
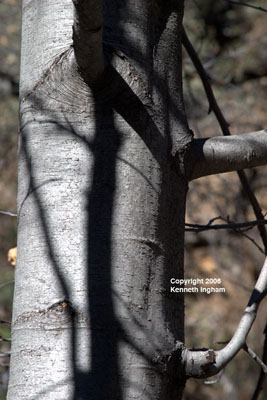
x=101, y=207
x=229, y=153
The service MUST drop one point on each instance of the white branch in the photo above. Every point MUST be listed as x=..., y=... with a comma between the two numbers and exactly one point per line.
x=11, y=214
x=229, y=153
x=87, y=39
x=203, y=364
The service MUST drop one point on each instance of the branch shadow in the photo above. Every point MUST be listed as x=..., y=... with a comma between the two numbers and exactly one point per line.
x=103, y=328
x=102, y=379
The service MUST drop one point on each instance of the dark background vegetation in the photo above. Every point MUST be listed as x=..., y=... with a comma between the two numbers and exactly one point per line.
x=232, y=43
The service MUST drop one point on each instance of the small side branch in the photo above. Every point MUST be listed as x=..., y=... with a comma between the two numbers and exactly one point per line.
x=255, y=357
x=224, y=154
x=11, y=214
x=2, y=339
x=229, y=225
x=240, y=3
x=87, y=39
x=2, y=321
x=6, y=284
x=206, y=363
x=262, y=375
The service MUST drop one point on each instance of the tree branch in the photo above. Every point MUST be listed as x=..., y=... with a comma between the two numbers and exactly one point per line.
x=228, y=225
x=206, y=363
x=2, y=321
x=255, y=357
x=2, y=339
x=225, y=130
x=260, y=382
x=6, y=284
x=87, y=39
x=239, y=227
x=11, y=214
x=224, y=154
x=240, y=3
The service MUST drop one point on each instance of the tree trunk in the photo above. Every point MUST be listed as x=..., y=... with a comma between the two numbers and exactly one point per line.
x=101, y=207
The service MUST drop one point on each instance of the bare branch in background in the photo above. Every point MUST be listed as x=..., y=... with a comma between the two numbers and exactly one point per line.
x=240, y=228
x=6, y=284
x=240, y=3
x=256, y=358
x=2, y=321
x=228, y=225
x=4, y=355
x=262, y=375
x=206, y=363
x=8, y=213
x=2, y=339
x=225, y=130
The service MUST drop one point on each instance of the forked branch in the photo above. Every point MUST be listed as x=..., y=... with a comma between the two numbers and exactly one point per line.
x=87, y=39
x=203, y=364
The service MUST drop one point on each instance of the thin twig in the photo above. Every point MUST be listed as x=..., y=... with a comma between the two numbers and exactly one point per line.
x=2, y=321
x=241, y=232
x=240, y=3
x=229, y=225
x=4, y=355
x=236, y=227
x=2, y=339
x=8, y=213
x=213, y=106
x=255, y=357
x=262, y=375
x=6, y=283
x=252, y=241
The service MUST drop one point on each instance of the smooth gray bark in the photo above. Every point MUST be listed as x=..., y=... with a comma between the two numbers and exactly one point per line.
x=229, y=153
x=103, y=174
x=101, y=206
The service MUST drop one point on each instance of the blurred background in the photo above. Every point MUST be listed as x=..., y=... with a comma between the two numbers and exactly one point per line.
x=231, y=41
x=10, y=20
